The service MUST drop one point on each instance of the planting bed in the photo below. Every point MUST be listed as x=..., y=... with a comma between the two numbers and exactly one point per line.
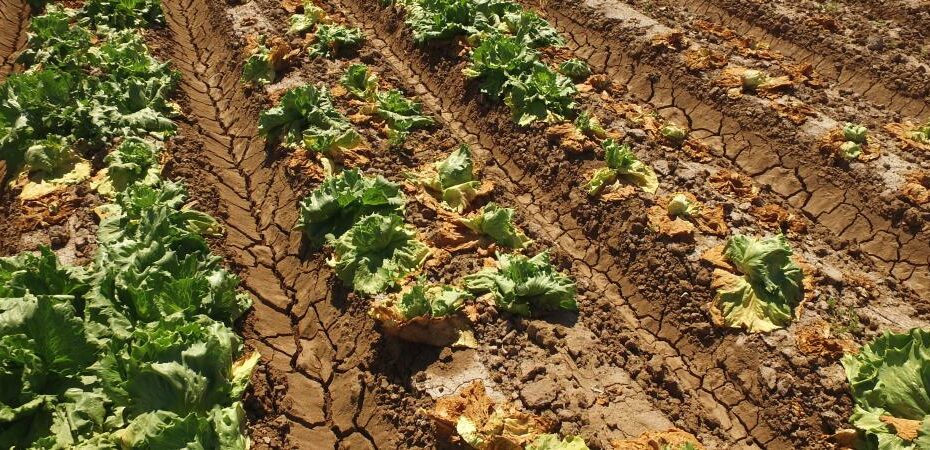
x=648, y=348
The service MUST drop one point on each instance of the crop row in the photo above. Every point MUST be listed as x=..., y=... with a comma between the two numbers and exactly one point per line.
x=360, y=218
x=135, y=349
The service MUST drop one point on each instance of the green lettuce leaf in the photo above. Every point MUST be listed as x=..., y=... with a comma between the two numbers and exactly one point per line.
x=553, y=442
x=376, y=253
x=332, y=40
x=306, y=116
x=433, y=300
x=340, y=201
x=524, y=285
x=622, y=164
x=764, y=297
x=890, y=378
x=454, y=181
x=497, y=223
x=360, y=82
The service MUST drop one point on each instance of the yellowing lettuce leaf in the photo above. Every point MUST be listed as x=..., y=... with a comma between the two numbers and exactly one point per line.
x=763, y=290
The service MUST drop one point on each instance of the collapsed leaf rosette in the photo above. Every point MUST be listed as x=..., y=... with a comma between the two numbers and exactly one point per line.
x=472, y=418
x=525, y=286
x=376, y=253
x=454, y=181
x=307, y=117
x=622, y=165
x=758, y=284
x=426, y=313
x=849, y=143
x=890, y=383
x=497, y=223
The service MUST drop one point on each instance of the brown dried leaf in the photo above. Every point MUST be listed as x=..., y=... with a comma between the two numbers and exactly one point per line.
x=794, y=110
x=776, y=84
x=712, y=221
x=903, y=132
x=435, y=331
x=672, y=227
x=672, y=438
x=729, y=182
x=703, y=59
x=716, y=258
x=775, y=217
x=905, y=428
x=292, y=6
x=673, y=40
x=916, y=188
x=817, y=339
x=618, y=192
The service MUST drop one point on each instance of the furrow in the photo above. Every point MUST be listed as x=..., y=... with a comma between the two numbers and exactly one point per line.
x=14, y=18
x=301, y=336
x=847, y=203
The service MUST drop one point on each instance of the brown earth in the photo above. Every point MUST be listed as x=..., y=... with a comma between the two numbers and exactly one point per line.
x=641, y=355
x=14, y=18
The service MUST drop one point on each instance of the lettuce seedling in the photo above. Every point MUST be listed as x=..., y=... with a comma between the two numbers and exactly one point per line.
x=674, y=133
x=524, y=286
x=575, y=69
x=855, y=133
x=376, y=253
x=850, y=150
x=681, y=206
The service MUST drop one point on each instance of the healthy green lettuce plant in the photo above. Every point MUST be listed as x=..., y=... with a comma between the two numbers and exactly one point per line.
x=342, y=200
x=525, y=286
x=376, y=253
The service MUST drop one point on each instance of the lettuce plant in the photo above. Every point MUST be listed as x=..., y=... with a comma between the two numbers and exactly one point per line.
x=331, y=40
x=622, y=164
x=575, y=69
x=769, y=285
x=921, y=134
x=376, y=253
x=891, y=390
x=431, y=300
x=123, y=14
x=304, y=22
x=455, y=180
x=681, y=206
x=258, y=67
x=306, y=117
x=401, y=114
x=850, y=150
x=674, y=133
x=342, y=200
x=496, y=222
x=752, y=79
x=133, y=161
x=360, y=82
x=855, y=133
x=524, y=286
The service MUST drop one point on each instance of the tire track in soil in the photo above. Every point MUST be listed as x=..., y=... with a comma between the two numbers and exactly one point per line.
x=298, y=324
x=791, y=167
x=14, y=18
x=715, y=378
x=807, y=48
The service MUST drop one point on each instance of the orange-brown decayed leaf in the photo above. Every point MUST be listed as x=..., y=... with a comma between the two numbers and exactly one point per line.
x=905, y=428
x=817, y=339
x=733, y=183
x=658, y=440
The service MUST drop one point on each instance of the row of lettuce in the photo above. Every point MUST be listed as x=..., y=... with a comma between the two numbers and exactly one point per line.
x=361, y=218
x=136, y=349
